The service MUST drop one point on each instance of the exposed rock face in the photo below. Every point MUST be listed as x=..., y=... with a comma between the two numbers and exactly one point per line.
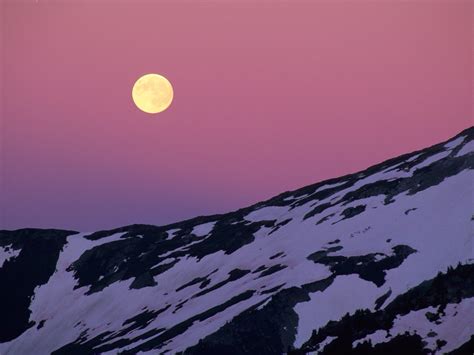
x=376, y=262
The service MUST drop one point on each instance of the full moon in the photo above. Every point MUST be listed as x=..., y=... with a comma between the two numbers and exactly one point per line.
x=152, y=93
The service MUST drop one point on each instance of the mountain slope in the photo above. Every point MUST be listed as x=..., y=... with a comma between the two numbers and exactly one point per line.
x=375, y=262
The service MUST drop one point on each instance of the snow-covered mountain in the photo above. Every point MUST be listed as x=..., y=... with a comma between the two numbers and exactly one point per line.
x=376, y=262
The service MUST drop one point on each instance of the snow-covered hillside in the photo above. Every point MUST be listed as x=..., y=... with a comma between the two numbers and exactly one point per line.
x=376, y=262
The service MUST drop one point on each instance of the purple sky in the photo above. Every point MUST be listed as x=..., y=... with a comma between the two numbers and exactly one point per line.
x=268, y=97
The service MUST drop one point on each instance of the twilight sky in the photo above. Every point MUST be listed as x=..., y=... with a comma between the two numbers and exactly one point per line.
x=269, y=96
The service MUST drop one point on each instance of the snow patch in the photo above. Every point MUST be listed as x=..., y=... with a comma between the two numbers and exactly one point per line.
x=346, y=294
x=203, y=229
x=455, y=327
x=431, y=159
x=377, y=337
x=455, y=142
x=8, y=253
x=322, y=345
x=171, y=232
x=466, y=149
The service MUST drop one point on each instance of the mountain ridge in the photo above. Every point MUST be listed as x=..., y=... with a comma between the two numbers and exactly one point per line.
x=466, y=132
x=263, y=278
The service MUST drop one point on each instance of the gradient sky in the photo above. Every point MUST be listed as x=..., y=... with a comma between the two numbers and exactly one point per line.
x=269, y=96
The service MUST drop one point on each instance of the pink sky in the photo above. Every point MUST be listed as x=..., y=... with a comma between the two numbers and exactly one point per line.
x=269, y=96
